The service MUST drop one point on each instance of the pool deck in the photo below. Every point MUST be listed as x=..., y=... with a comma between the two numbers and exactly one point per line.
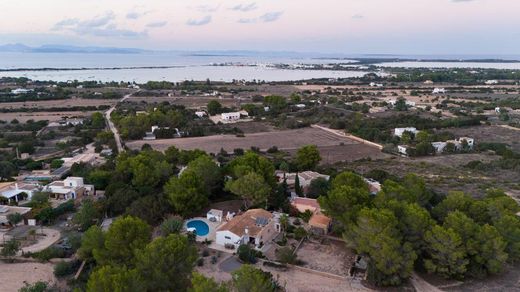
x=212, y=229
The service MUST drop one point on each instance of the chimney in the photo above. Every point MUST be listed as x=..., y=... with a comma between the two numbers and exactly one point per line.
x=16, y=185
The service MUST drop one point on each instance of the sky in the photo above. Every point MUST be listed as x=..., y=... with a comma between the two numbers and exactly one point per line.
x=328, y=26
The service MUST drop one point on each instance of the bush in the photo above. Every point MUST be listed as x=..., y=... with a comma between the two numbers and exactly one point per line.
x=171, y=225
x=213, y=260
x=200, y=262
x=49, y=253
x=63, y=269
x=286, y=256
x=205, y=253
x=246, y=254
x=300, y=233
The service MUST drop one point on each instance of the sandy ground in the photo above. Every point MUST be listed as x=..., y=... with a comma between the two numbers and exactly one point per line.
x=51, y=237
x=58, y=103
x=284, y=140
x=12, y=276
x=49, y=116
x=332, y=258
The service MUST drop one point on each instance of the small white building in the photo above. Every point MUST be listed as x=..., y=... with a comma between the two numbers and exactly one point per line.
x=491, y=82
x=439, y=90
x=214, y=215
x=21, y=91
x=440, y=146
x=200, y=114
x=373, y=84
x=400, y=131
x=402, y=149
x=72, y=122
x=70, y=188
x=300, y=106
x=234, y=116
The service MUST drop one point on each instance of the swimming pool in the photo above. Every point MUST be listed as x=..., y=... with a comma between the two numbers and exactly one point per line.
x=201, y=228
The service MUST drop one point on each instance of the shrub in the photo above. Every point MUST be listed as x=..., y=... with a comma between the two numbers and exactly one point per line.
x=49, y=253
x=286, y=256
x=200, y=262
x=63, y=269
x=300, y=233
x=171, y=225
x=213, y=260
x=247, y=254
x=205, y=253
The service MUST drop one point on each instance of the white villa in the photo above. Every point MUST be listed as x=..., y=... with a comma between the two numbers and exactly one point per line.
x=400, y=131
x=200, y=114
x=70, y=188
x=255, y=226
x=14, y=191
x=233, y=116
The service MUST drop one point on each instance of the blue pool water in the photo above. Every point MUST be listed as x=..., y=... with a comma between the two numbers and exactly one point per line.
x=201, y=228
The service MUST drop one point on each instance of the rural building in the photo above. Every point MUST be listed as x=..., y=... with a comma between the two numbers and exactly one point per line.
x=305, y=178
x=318, y=222
x=214, y=215
x=21, y=91
x=70, y=188
x=402, y=149
x=438, y=90
x=18, y=191
x=407, y=102
x=255, y=226
x=71, y=122
x=400, y=131
x=5, y=211
x=235, y=116
x=373, y=185
x=200, y=114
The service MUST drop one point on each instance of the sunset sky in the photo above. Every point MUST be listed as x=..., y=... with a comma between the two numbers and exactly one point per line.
x=346, y=26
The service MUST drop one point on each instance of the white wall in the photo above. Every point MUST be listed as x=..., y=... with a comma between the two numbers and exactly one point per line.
x=222, y=240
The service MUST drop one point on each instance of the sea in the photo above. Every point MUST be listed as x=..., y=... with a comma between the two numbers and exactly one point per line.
x=180, y=66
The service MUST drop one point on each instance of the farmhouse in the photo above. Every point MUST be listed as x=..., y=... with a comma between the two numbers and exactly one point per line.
x=400, y=131
x=70, y=188
x=318, y=222
x=200, y=114
x=21, y=91
x=255, y=226
x=438, y=90
x=18, y=191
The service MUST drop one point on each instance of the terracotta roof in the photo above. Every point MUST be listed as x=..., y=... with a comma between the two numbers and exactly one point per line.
x=319, y=220
x=248, y=220
x=306, y=202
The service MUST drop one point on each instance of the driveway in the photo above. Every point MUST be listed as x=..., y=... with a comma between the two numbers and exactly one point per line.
x=230, y=265
x=51, y=237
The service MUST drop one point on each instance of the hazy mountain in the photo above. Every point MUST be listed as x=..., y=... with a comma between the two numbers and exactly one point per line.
x=67, y=49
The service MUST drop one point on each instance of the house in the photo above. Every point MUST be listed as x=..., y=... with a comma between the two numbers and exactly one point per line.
x=5, y=211
x=428, y=82
x=149, y=136
x=374, y=186
x=438, y=90
x=18, y=191
x=402, y=149
x=439, y=146
x=300, y=106
x=393, y=102
x=21, y=91
x=373, y=84
x=71, y=122
x=319, y=223
x=469, y=141
x=255, y=226
x=200, y=114
x=491, y=82
x=214, y=215
x=305, y=178
x=400, y=131
x=234, y=116
x=70, y=188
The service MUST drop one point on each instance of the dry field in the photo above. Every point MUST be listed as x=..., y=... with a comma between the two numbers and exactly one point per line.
x=333, y=148
x=70, y=102
x=187, y=101
x=498, y=134
x=38, y=116
x=332, y=257
x=13, y=276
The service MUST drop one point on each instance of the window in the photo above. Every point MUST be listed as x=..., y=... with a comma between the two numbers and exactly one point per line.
x=227, y=237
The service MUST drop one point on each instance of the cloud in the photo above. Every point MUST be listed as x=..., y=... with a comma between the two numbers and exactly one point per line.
x=358, y=16
x=199, y=22
x=207, y=8
x=268, y=17
x=271, y=16
x=245, y=7
x=99, y=26
x=157, y=24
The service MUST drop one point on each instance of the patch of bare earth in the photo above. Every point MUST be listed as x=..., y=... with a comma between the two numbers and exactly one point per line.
x=13, y=276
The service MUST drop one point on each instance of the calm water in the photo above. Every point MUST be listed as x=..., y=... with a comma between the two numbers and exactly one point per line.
x=476, y=65
x=188, y=67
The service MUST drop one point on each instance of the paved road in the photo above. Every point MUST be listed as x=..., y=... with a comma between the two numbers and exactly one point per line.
x=113, y=127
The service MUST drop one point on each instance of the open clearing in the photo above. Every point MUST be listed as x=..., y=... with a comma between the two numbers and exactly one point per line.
x=495, y=134
x=39, y=116
x=69, y=102
x=333, y=147
x=13, y=276
x=332, y=257
x=187, y=101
